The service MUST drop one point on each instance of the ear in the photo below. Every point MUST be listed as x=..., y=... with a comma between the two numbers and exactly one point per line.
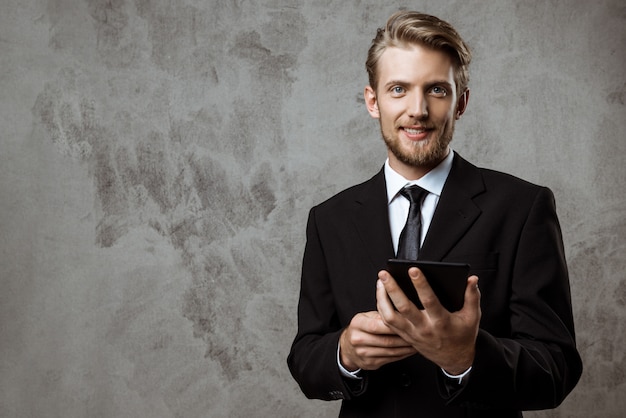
x=461, y=105
x=371, y=102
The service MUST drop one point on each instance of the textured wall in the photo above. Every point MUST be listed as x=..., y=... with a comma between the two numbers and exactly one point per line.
x=158, y=159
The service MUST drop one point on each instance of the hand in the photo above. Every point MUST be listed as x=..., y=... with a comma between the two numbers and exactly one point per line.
x=367, y=343
x=447, y=339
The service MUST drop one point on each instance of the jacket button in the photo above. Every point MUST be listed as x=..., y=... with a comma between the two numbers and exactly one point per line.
x=336, y=394
x=405, y=380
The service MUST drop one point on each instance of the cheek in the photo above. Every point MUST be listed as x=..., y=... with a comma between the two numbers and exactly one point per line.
x=389, y=115
x=391, y=106
x=444, y=115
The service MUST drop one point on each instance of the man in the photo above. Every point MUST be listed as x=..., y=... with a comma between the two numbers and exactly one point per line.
x=511, y=347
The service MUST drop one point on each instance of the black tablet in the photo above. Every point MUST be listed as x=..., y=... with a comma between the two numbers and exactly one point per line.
x=448, y=280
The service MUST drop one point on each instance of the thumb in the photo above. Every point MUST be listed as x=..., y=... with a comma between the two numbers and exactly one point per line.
x=472, y=294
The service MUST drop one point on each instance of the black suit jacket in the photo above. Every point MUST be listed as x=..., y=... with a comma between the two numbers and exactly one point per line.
x=507, y=230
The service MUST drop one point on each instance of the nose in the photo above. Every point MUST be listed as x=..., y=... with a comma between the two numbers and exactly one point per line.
x=417, y=106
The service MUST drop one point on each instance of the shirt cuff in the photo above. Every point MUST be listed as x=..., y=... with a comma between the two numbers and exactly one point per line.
x=346, y=373
x=457, y=377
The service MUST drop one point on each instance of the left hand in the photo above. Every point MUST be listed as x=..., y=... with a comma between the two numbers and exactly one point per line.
x=447, y=339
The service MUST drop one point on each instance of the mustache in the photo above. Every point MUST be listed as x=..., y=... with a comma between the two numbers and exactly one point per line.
x=422, y=123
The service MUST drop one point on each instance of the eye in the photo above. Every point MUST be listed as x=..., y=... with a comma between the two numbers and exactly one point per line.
x=439, y=91
x=398, y=90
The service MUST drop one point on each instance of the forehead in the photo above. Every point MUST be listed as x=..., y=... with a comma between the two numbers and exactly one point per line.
x=416, y=64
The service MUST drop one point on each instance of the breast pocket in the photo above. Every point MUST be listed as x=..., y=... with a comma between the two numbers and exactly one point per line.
x=482, y=265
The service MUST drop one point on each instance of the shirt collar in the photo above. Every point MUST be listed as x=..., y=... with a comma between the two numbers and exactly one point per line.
x=433, y=181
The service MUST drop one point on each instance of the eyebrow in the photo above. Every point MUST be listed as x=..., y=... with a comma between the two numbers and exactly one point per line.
x=396, y=83
x=444, y=83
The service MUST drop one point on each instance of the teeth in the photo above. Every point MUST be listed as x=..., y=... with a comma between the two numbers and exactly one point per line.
x=414, y=131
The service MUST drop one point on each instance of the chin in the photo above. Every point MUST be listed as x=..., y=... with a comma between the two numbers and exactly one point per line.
x=426, y=155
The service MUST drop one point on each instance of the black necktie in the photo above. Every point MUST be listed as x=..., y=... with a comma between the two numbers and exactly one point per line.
x=409, y=243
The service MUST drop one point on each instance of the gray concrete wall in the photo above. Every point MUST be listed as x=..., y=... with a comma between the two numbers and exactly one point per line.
x=158, y=159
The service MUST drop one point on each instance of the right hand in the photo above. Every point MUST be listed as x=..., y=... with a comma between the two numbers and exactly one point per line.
x=367, y=343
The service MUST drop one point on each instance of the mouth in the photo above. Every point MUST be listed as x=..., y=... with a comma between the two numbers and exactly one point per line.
x=416, y=133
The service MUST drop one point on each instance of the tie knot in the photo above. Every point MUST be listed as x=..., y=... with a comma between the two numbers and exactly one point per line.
x=414, y=193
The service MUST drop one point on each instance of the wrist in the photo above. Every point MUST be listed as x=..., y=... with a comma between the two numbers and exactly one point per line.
x=354, y=373
x=458, y=377
x=462, y=365
x=343, y=360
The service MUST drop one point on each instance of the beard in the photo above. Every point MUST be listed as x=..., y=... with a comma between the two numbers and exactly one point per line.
x=427, y=153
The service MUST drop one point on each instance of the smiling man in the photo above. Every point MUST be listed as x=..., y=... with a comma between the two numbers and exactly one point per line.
x=511, y=347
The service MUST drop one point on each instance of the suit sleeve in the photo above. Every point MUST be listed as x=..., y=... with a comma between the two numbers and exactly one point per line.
x=313, y=357
x=538, y=364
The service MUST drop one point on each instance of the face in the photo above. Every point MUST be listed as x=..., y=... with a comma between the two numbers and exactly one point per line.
x=417, y=105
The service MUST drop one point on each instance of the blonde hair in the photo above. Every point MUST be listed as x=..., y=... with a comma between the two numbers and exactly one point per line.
x=404, y=28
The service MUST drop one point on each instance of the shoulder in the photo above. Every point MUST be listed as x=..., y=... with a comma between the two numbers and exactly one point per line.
x=492, y=179
x=355, y=195
x=506, y=180
x=485, y=185
x=518, y=194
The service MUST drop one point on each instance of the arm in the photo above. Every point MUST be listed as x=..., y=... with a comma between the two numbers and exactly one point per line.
x=537, y=365
x=312, y=360
x=365, y=342
x=534, y=365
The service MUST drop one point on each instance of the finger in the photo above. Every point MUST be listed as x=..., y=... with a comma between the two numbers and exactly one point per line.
x=398, y=300
x=383, y=301
x=393, y=342
x=472, y=296
x=362, y=335
x=383, y=348
x=427, y=296
x=375, y=362
x=387, y=345
x=371, y=323
x=395, y=354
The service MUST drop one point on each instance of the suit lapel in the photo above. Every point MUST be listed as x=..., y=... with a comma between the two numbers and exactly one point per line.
x=455, y=212
x=454, y=215
x=371, y=220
